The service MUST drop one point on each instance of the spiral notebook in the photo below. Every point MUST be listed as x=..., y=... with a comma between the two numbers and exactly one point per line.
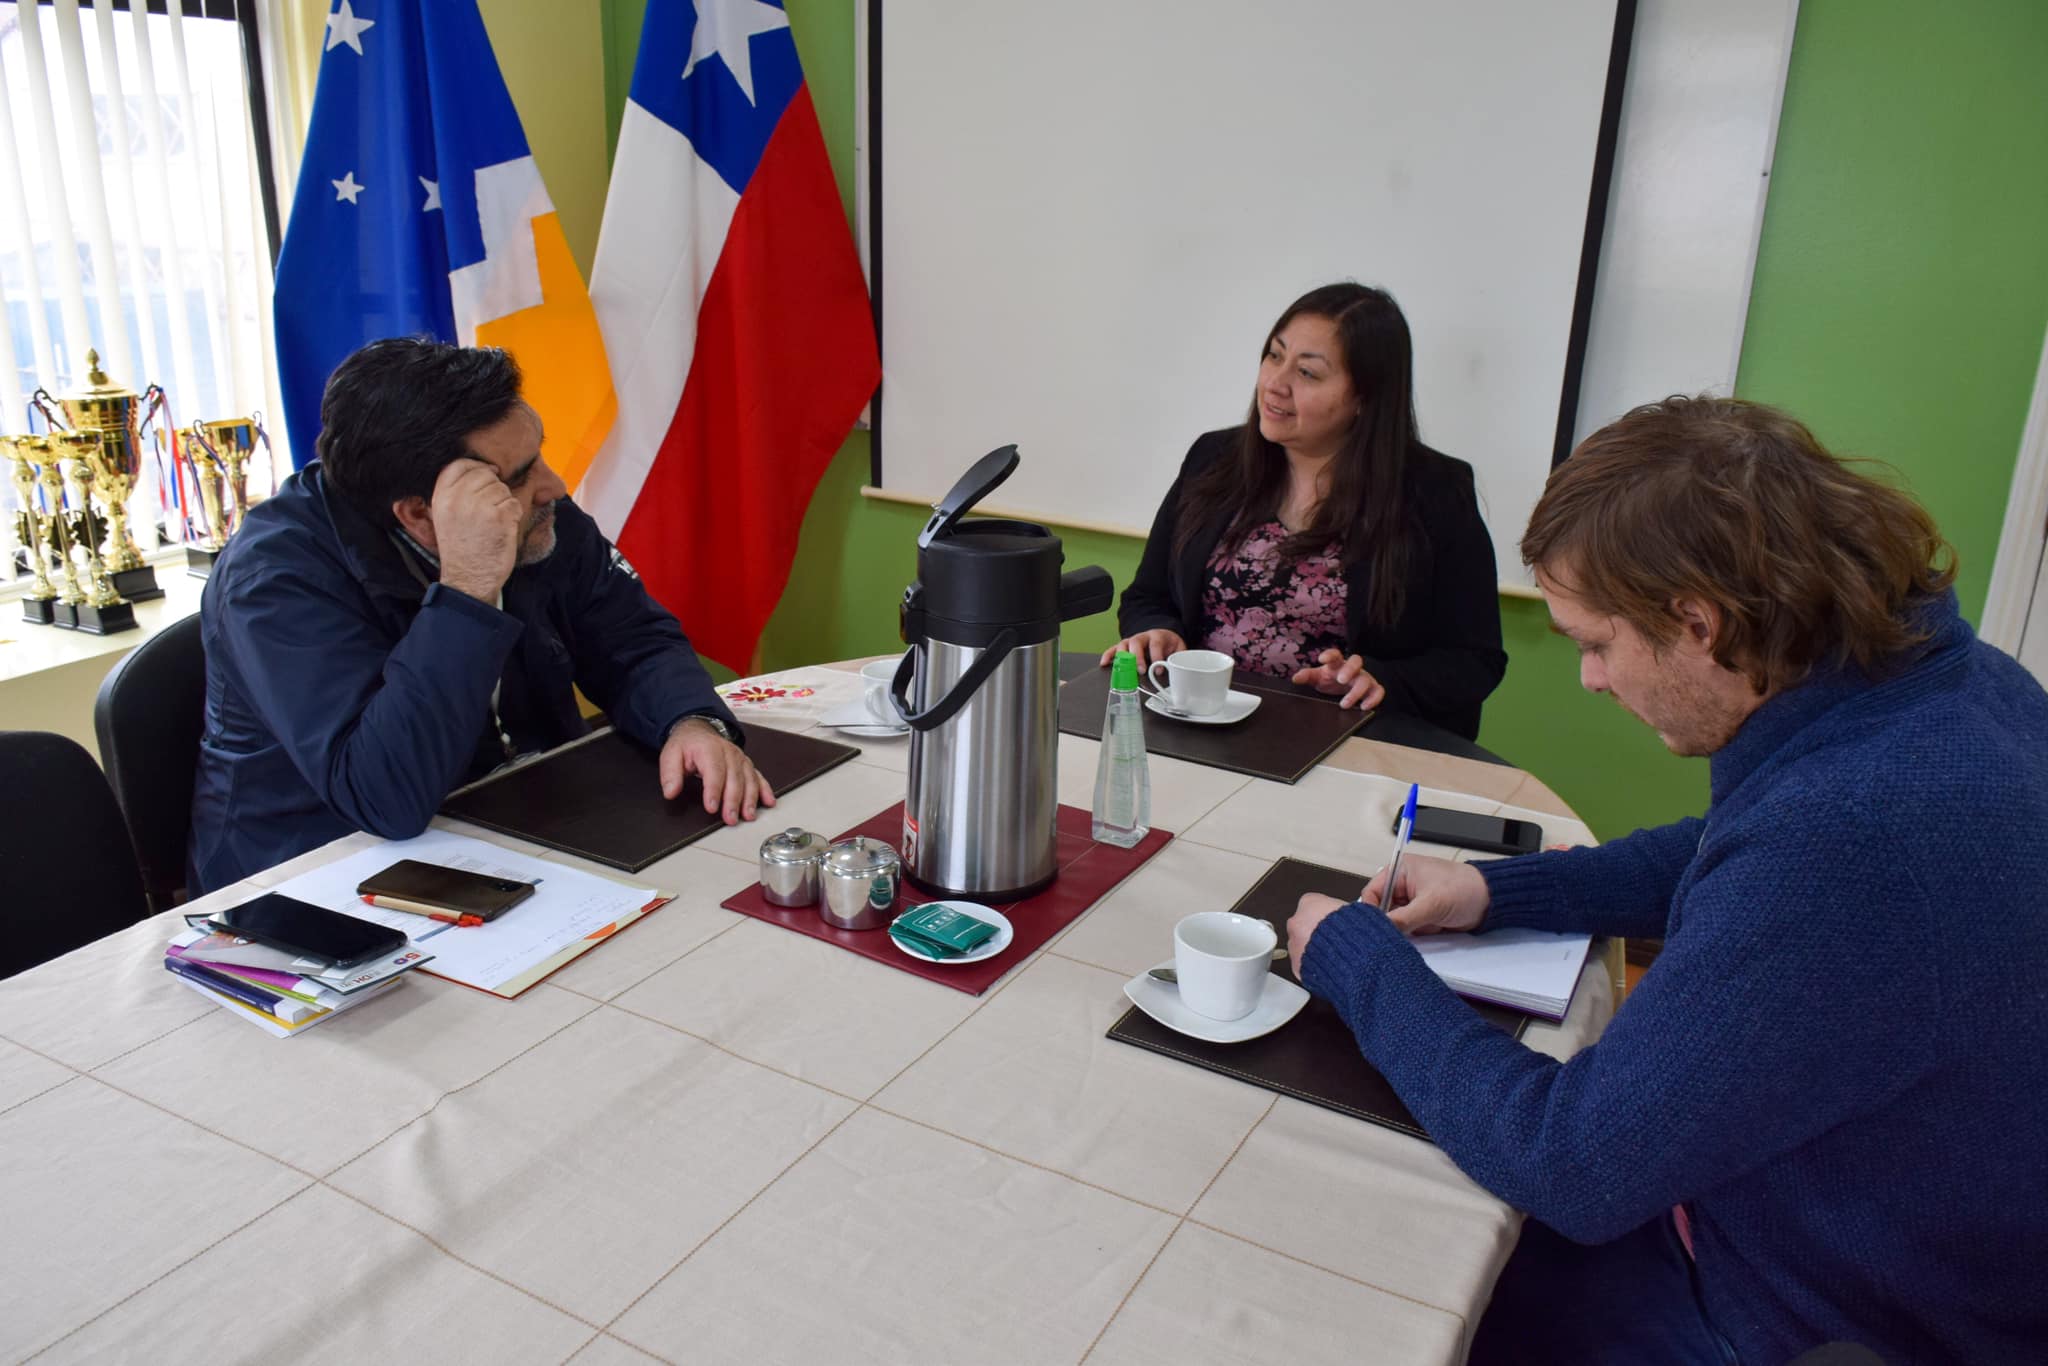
x=1535, y=971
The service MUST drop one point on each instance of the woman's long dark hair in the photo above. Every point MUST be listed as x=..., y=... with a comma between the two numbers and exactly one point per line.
x=1367, y=509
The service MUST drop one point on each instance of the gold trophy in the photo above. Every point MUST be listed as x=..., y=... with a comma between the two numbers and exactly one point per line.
x=39, y=604
x=220, y=453
x=117, y=416
x=104, y=611
x=56, y=529
x=207, y=474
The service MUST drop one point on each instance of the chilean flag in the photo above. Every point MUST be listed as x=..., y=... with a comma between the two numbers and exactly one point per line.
x=734, y=314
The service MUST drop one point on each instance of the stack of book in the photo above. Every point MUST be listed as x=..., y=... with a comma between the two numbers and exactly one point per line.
x=276, y=990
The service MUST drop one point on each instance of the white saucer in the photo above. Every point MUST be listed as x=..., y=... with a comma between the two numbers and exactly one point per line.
x=1281, y=1001
x=855, y=719
x=1236, y=706
x=987, y=948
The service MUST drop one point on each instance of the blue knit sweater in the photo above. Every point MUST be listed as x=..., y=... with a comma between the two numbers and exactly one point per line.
x=1839, y=1061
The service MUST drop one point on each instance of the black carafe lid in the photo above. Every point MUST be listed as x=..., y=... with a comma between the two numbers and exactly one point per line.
x=973, y=486
x=990, y=573
x=983, y=577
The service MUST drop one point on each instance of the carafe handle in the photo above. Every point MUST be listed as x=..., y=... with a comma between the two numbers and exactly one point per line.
x=963, y=689
x=1084, y=592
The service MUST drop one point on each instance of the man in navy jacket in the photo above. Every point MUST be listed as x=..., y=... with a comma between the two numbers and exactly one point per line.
x=411, y=611
x=1823, y=1113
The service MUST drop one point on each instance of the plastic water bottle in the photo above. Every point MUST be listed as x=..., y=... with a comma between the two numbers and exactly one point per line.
x=1123, y=784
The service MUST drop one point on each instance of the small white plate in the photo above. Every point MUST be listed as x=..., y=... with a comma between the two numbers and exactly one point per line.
x=855, y=719
x=1280, y=1002
x=874, y=732
x=1236, y=706
x=987, y=948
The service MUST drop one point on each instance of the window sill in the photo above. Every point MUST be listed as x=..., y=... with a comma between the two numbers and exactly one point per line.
x=28, y=648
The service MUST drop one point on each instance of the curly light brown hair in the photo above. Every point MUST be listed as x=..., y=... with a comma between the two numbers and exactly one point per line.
x=1737, y=504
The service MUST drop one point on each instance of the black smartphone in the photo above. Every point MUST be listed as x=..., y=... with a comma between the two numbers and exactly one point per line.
x=310, y=931
x=437, y=888
x=1467, y=830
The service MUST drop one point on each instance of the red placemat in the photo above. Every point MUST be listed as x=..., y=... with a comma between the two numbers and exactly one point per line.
x=1087, y=872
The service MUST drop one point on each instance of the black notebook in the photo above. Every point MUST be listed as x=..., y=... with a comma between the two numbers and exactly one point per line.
x=1312, y=1057
x=600, y=798
x=1289, y=734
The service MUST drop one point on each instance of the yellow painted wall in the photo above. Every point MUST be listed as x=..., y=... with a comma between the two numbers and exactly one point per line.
x=552, y=54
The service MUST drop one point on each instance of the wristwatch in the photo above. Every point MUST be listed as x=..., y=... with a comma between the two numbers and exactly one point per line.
x=725, y=732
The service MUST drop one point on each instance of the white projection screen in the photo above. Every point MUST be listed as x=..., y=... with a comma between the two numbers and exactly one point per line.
x=1089, y=212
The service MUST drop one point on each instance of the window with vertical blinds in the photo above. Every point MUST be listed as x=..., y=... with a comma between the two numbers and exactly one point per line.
x=132, y=222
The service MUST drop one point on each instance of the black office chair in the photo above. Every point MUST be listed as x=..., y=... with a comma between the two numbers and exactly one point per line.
x=149, y=716
x=66, y=867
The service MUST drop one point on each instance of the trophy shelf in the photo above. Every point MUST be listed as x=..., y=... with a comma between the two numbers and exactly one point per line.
x=26, y=650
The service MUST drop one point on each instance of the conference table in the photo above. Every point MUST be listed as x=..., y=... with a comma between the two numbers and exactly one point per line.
x=710, y=1139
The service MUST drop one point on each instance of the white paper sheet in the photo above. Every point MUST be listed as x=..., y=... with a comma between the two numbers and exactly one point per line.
x=567, y=908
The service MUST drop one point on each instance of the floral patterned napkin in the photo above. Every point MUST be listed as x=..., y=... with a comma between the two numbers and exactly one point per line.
x=791, y=699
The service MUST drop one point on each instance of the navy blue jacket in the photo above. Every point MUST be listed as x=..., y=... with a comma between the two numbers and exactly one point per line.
x=1837, y=1061
x=345, y=690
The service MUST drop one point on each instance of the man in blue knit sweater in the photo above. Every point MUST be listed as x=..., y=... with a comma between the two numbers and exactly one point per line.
x=1823, y=1114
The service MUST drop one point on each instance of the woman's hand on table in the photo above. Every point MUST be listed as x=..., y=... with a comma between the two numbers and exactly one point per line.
x=733, y=788
x=1435, y=895
x=1148, y=646
x=1334, y=673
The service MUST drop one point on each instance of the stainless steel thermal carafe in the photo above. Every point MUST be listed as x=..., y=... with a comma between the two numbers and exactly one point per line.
x=979, y=688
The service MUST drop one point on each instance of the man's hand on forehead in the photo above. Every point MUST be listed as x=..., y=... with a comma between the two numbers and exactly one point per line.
x=476, y=527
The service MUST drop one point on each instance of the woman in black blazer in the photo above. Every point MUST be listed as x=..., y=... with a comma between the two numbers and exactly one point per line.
x=1322, y=541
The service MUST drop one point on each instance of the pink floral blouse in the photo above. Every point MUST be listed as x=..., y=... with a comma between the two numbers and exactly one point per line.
x=1270, y=617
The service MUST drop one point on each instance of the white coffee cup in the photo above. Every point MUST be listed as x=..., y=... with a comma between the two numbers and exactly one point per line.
x=1222, y=959
x=1197, y=681
x=878, y=676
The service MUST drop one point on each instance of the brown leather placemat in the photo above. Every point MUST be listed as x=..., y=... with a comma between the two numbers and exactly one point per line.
x=1312, y=1057
x=601, y=799
x=1087, y=873
x=1287, y=736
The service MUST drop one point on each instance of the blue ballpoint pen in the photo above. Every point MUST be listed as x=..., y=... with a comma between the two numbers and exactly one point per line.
x=1400, y=845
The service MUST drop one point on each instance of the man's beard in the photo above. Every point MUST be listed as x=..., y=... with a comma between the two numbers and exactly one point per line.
x=539, y=541
x=1691, y=722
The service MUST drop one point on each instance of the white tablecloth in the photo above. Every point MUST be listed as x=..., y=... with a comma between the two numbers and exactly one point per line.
x=713, y=1140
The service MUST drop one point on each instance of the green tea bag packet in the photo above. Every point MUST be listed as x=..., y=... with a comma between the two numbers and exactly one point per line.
x=939, y=931
x=920, y=946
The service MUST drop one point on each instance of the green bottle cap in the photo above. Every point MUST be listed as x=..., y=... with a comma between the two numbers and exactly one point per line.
x=1123, y=673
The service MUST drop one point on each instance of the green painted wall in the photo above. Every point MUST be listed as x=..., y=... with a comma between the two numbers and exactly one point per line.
x=1901, y=291
x=1900, y=297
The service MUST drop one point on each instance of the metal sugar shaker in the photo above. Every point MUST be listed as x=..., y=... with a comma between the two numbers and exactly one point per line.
x=789, y=867
x=860, y=878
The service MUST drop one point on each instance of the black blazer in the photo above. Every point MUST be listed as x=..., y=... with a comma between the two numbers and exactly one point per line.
x=1438, y=661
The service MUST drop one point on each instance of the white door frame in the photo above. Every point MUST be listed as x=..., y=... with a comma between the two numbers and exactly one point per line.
x=2021, y=541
